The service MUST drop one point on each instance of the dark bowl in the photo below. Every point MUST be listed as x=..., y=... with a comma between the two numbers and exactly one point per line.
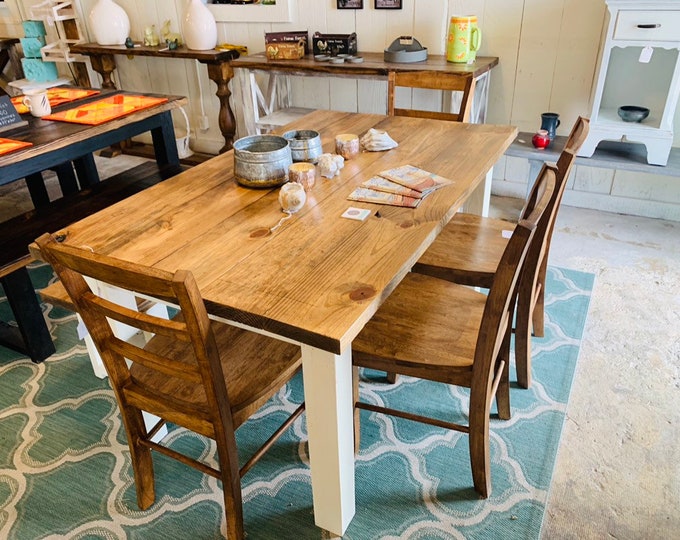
x=633, y=113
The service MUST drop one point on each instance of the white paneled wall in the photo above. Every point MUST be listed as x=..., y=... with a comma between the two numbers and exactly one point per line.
x=548, y=52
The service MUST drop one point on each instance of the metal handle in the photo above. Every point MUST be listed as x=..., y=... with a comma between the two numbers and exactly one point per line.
x=649, y=25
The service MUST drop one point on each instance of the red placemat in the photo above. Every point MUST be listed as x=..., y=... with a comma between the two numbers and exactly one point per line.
x=104, y=110
x=56, y=96
x=10, y=145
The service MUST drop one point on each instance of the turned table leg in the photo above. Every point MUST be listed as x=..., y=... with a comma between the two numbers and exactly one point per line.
x=104, y=64
x=221, y=73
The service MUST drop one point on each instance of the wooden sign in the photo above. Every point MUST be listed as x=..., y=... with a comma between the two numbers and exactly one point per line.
x=9, y=117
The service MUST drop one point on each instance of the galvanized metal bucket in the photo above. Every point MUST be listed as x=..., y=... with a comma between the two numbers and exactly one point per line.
x=262, y=161
x=305, y=145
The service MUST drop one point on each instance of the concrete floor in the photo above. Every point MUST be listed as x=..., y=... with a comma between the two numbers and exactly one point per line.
x=618, y=467
x=618, y=472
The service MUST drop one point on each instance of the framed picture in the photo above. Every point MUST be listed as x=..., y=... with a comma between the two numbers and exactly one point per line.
x=350, y=4
x=387, y=4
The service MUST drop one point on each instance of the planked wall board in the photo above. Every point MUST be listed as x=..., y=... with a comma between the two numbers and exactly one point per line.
x=548, y=52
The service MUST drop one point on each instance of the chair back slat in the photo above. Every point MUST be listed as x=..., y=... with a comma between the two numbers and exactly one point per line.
x=499, y=305
x=138, y=319
x=431, y=80
x=179, y=370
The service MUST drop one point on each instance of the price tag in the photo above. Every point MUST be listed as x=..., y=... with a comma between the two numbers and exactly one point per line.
x=646, y=55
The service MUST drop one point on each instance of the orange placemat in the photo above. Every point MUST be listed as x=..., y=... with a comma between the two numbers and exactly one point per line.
x=103, y=110
x=10, y=145
x=57, y=96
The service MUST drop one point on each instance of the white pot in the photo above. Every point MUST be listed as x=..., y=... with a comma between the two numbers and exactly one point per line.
x=109, y=23
x=199, y=27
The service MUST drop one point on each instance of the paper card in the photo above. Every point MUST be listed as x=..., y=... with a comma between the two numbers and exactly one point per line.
x=378, y=183
x=415, y=178
x=360, y=214
x=382, y=197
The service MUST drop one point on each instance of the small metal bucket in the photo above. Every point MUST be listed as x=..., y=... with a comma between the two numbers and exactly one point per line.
x=262, y=161
x=305, y=145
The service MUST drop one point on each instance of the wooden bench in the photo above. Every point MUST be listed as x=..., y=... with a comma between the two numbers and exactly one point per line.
x=608, y=155
x=30, y=336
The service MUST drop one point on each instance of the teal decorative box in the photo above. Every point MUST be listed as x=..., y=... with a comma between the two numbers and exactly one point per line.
x=33, y=28
x=32, y=46
x=38, y=71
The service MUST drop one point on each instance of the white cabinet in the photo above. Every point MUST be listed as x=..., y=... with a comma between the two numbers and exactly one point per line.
x=640, y=65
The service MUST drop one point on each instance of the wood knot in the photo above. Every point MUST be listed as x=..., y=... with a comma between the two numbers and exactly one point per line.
x=407, y=224
x=260, y=233
x=60, y=236
x=362, y=292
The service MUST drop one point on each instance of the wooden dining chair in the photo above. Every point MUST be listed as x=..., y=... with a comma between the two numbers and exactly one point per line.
x=202, y=375
x=431, y=80
x=433, y=329
x=469, y=249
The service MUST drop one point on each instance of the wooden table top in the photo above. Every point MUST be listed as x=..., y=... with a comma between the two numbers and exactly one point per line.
x=212, y=55
x=49, y=135
x=373, y=65
x=319, y=277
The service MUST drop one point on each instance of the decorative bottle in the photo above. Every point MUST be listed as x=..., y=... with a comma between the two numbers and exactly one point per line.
x=199, y=27
x=109, y=23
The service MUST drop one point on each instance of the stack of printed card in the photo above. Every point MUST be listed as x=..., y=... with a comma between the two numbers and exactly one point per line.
x=403, y=186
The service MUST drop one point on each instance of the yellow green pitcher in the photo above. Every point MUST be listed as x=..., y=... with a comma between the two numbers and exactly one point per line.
x=463, y=40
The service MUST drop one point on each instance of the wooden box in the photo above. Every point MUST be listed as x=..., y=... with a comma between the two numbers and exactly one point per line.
x=334, y=44
x=286, y=45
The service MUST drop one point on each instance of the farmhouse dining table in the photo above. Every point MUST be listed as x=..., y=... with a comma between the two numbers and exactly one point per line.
x=318, y=277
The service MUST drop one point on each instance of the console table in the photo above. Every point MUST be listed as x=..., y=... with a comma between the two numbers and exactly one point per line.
x=251, y=99
x=217, y=61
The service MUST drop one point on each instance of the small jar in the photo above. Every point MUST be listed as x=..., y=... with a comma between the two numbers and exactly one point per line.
x=347, y=145
x=303, y=173
x=541, y=139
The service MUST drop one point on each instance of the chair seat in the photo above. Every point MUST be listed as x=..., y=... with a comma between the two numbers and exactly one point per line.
x=245, y=356
x=423, y=302
x=467, y=251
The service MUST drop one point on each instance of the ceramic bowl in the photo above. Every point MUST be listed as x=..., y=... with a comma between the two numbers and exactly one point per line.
x=633, y=113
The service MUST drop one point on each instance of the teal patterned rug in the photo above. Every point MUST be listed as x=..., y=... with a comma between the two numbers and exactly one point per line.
x=65, y=471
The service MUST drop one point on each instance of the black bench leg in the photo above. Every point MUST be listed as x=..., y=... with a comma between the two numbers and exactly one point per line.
x=86, y=169
x=67, y=178
x=37, y=190
x=164, y=142
x=32, y=337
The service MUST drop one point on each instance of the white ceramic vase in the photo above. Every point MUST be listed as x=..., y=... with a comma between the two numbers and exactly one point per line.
x=199, y=28
x=109, y=23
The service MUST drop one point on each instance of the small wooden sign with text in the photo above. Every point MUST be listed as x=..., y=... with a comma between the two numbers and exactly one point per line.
x=9, y=117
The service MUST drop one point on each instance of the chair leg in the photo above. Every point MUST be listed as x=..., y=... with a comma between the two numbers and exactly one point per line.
x=391, y=377
x=538, y=306
x=140, y=455
x=479, y=445
x=503, y=390
x=537, y=314
x=523, y=341
x=227, y=454
x=357, y=416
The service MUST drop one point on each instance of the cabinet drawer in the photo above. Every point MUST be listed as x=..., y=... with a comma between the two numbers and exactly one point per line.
x=629, y=23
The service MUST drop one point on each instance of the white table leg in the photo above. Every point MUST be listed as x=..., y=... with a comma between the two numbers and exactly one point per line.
x=328, y=396
x=478, y=202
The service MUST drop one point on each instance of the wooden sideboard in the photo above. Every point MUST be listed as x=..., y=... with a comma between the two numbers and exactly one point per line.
x=217, y=61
